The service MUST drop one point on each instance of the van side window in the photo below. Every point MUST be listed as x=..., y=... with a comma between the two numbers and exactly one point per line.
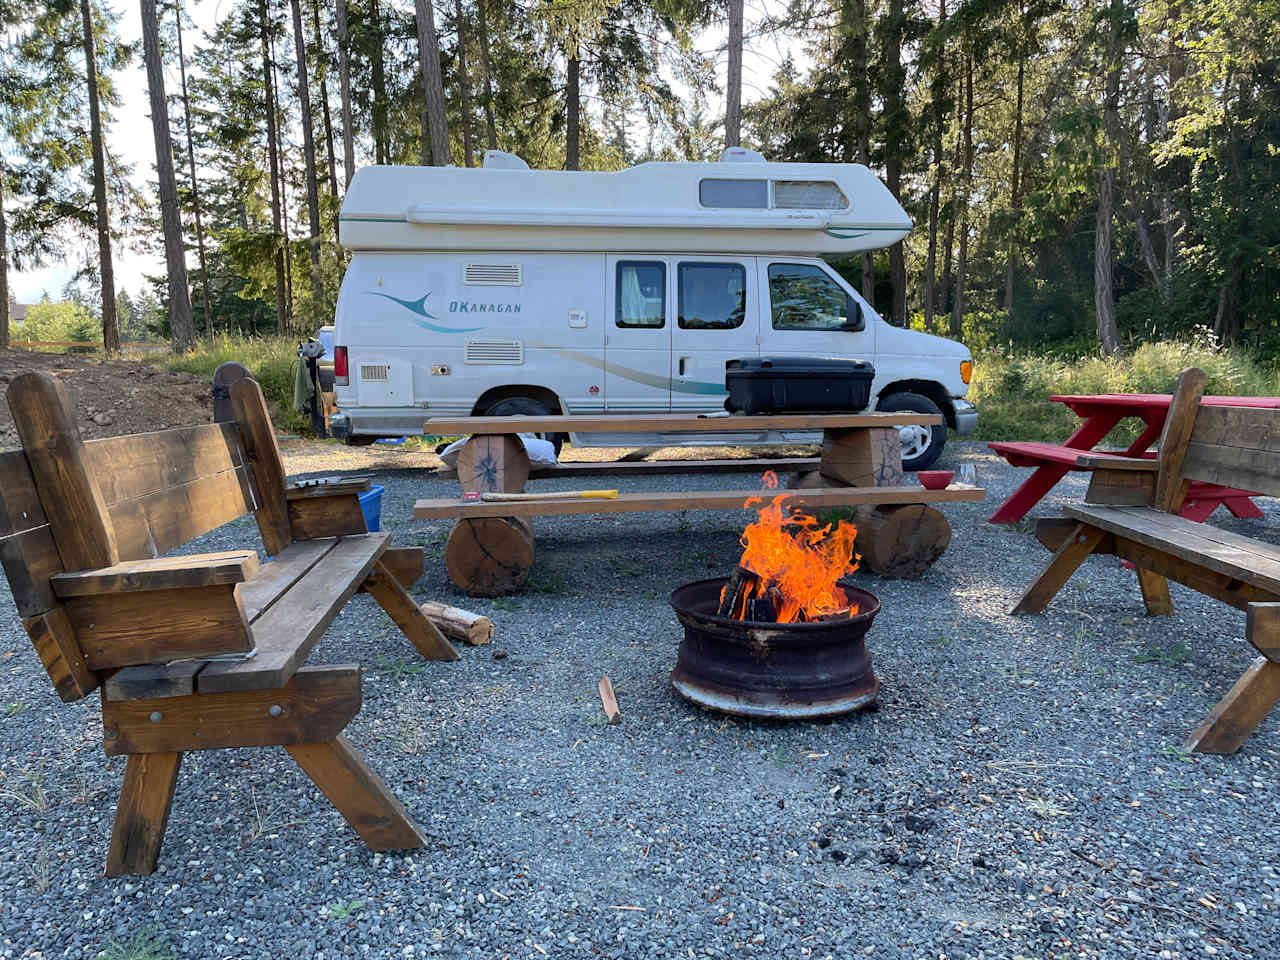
x=642, y=294
x=808, y=195
x=713, y=296
x=802, y=297
x=748, y=194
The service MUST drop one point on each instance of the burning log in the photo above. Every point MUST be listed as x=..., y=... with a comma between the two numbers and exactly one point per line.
x=901, y=541
x=733, y=599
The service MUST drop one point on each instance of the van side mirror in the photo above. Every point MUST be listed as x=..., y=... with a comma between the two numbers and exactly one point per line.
x=853, y=313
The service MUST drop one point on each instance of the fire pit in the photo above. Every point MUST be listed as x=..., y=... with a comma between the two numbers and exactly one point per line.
x=784, y=636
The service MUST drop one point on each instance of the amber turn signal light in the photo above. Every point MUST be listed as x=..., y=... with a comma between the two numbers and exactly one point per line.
x=966, y=370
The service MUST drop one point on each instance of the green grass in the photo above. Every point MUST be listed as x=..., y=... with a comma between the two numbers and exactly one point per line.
x=1012, y=389
x=273, y=362
x=144, y=946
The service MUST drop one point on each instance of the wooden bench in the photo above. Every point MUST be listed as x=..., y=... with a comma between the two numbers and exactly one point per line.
x=1131, y=511
x=202, y=651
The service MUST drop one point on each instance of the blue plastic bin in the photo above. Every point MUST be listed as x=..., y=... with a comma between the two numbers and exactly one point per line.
x=371, y=504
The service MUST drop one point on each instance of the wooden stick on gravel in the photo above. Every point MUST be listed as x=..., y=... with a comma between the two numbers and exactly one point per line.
x=609, y=701
x=459, y=624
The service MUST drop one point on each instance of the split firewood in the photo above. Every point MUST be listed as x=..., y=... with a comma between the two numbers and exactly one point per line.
x=459, y=624
x=609, y=701
x=734, y=598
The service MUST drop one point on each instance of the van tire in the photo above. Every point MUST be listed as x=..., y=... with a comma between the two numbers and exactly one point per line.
x=526, y=407
x=917, y=453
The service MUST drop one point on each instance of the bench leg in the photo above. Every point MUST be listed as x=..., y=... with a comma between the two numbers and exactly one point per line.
x=1198, y=510
x=358, y=793
x=1243, y=507
x=393, y=598
x=1238, y=714
x=142, y=813
x=1064, y=562
x=1155, y=593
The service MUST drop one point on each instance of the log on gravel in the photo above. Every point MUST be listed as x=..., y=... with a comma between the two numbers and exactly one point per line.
x=900, y=541
x=489, y=556
x=459, y=624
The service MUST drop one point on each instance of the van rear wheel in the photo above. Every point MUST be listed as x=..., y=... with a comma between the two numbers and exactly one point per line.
x=526, y=407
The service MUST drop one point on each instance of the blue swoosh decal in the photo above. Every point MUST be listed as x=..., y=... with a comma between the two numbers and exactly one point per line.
x=419, y=307
x=701, y=387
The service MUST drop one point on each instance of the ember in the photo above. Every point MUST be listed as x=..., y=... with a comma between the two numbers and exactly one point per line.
x=789, y=567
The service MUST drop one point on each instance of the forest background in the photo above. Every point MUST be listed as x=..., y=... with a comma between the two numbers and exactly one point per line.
x=1096, y=185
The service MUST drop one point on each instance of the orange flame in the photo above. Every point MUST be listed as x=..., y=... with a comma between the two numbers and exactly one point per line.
x=791, y=553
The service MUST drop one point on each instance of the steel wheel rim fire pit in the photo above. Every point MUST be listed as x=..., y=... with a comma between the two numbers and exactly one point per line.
x=785, y=671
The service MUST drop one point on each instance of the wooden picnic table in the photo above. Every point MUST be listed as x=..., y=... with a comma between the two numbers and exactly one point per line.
x=490, y=549
x=1100, y=413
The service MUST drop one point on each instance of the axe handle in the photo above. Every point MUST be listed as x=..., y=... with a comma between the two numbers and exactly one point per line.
x=565, y=495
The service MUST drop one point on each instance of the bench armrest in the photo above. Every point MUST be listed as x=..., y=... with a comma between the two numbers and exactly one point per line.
x=1095, y=462
x=326, y=487
x=162, y=573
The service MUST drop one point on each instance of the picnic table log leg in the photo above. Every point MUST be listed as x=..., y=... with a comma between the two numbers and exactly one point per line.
x=358, y=793
x=1065, y=561
x=1155, y=593
x=493, y=463
x=1030, y=493
x=1238, y=714
x=142, y=813
x=489, y=556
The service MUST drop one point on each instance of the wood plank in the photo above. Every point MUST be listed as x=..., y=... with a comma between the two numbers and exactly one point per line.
x=185, y=572
x=364, y=801
x=263, y=455
x=405, y=564
x=67, y=482
x=1227, y=589
x=653, y=468
x=1098, y=461
x=55, y=641
x=30, y=558
x=153, y=680
x=1178, y=425
x=689, y=500
x=1234, y=466
x=1262, y=629
x=314, y=705
x=670, y=423
x=19, y=500
x=315, y=518
x=1121, y=488
x=403, y=609
x=1052, y=532
x=157, y=523
x=126, y=629
x=276, y=577
x=1238, y=714
x=286, y=633
x=327, y=487
x=1251, y=427
x=142, y=813
x=1064, y=562
x=139, y=464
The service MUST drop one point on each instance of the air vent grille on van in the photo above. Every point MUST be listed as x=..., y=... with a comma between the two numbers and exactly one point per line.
x=374, y=371
x=492, y=274
x=494, y=351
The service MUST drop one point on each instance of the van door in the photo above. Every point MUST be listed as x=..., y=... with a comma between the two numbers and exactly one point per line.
x=637, y=350
x=717, y=319
x=809, y=312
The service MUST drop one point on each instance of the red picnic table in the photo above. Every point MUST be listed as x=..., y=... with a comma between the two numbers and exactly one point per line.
x=1100, y=414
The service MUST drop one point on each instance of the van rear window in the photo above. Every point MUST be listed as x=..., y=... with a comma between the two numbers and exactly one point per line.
x=747, y=194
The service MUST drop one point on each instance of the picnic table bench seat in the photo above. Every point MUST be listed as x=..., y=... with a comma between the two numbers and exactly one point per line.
x=1131, y=511
x=197, y=651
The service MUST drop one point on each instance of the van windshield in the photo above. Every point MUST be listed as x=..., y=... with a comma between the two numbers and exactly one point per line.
x=802, y=297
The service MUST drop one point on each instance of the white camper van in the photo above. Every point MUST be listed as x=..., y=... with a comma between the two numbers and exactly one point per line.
x=503, y=290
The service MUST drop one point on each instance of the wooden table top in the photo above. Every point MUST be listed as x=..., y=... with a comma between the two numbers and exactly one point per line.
x=672, y=423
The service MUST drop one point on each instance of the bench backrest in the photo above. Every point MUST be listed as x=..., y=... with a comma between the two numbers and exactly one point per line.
x=68, y=505
x=1232, y=446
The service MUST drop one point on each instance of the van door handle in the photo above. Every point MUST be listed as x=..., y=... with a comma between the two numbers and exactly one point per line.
x=680, y=366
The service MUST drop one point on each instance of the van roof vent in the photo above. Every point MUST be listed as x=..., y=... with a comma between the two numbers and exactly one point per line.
x=741, y=155
x=494, y=351
x=492, y=274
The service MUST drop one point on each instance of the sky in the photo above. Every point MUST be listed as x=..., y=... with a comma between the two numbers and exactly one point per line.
x=130, y=137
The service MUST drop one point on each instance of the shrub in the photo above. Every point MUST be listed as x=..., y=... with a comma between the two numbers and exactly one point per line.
x=273, y=361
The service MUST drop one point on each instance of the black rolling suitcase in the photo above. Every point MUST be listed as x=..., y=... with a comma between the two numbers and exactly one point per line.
x=797, y=385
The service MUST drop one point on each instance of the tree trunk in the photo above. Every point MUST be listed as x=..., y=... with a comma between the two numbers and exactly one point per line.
x=344, y=77
x=858, y=28
x=110, y=326
x=571, y=108
x=1015, y=192
x=483, y=23
x=733, y=85
x=328, y=120
x=897, y=126
x=464, y=84
x=381, y=150
x=962, y=260
x=435, y=130
x=936, y=92
x=4, y=267
x=308, y=148
x=1103, y=291
x=284, y=199
x=182, y=331
x=195, y=185
x=273, y=156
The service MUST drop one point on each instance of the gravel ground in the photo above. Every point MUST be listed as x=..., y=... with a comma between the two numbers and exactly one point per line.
x=1019, y=793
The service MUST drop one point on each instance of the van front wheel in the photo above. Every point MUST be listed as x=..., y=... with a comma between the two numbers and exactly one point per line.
x=921, y=446
x=526, y=407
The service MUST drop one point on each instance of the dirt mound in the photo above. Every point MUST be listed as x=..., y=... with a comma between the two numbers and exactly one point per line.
x=111, y=397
